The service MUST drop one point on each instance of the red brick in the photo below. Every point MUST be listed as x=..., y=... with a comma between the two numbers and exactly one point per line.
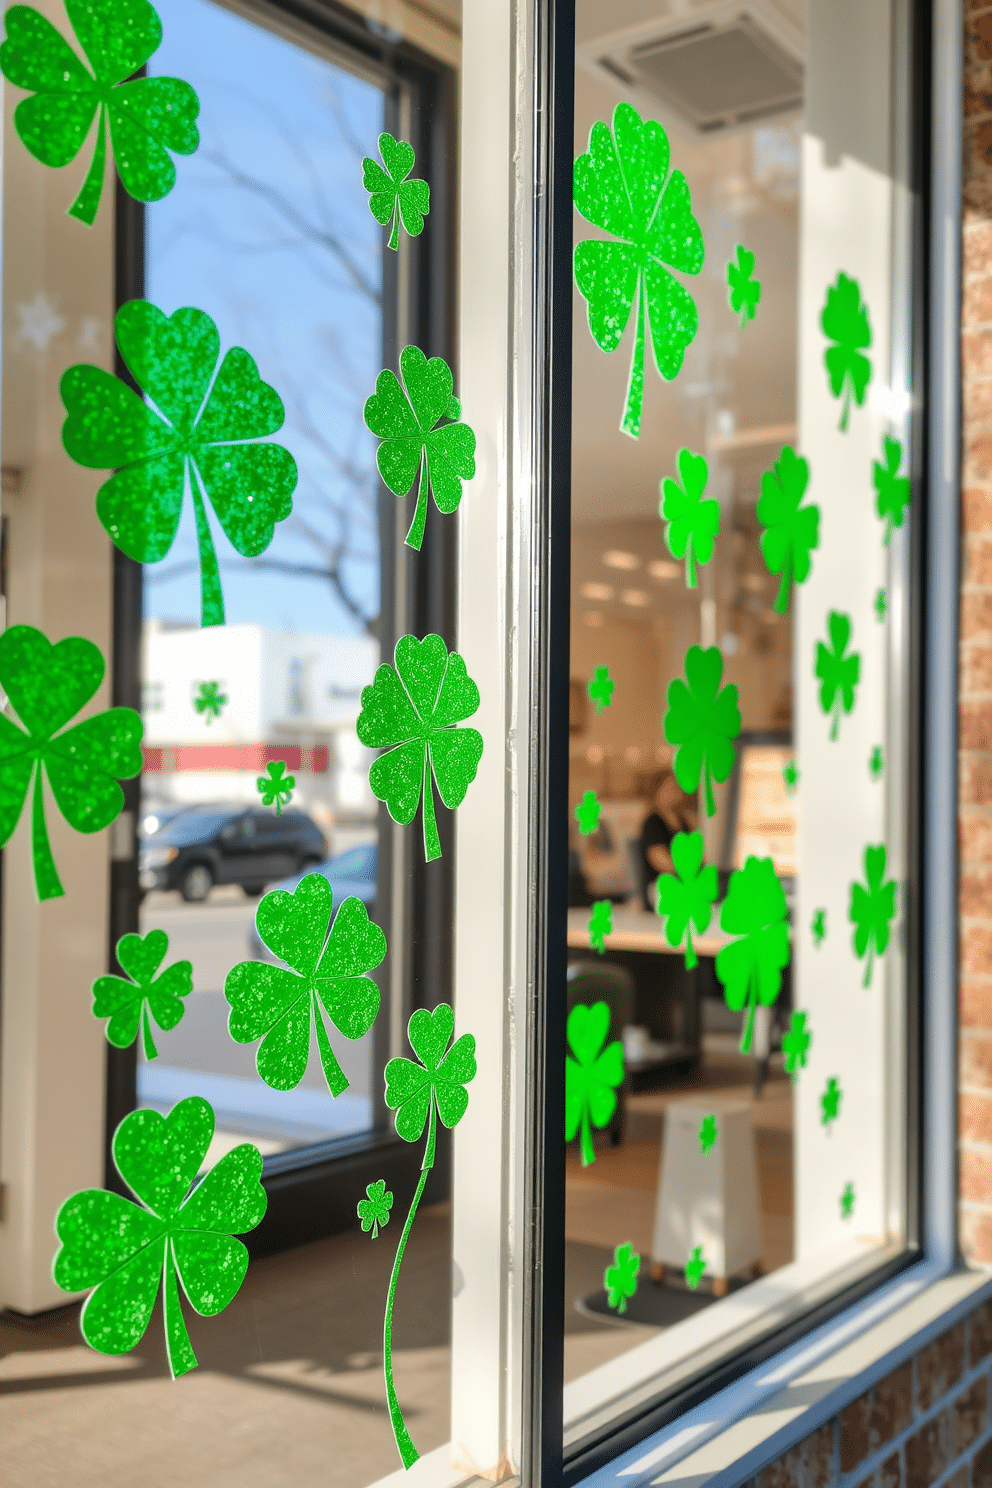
x=980, y=1334
x=939, y=1366
x=978, y=92
x=975, y=1234
x=975, y=1118
x=975, y=1180
x=976, y=621
x=975, y=1006
x=972, y=7
x=810, y=1464
x=928, y=1452
x=976, y=1059
x=855, y=1425
x=976, y=501
x=976, y=306
x=974, y=837
x=978, y=552
x=976, y=240
x=975, y=893
x=971, y=1415
x=975, y=725
x=978, y=40
x=889, y=1475
x=981, y=1467
x=975, y=780
x=958, y=1479
x=977, y=395
x=975, y=676
x=977, y=192
x=976, y=951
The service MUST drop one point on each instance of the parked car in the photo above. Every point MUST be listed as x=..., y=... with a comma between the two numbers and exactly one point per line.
x=351, y=875
x=210, y=845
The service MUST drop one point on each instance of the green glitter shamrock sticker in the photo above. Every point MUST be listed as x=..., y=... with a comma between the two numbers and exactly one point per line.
x=620, y=1279
x=881, y=605
x=373, y=1211
x=410, y=710
x=892, y=490
x=146, y=117
x=792, y=530
x=602, y=688
x=204, y=431
x=129, y=1002
x=622, y=186
x=745, y=292
x=404, y=415
x=592, y=1077
x=790, y=776
x=325, y=972
x=210, y=700
x=46, y=685
x=838, y=673
x=694, y=1268
x=847, y=1201
x=795, y=1046
x=701, y=722
x=818, y=928
x=693, y=524
x=687, y=899
x=422, y=1093
x=276, y=787
x=750, y=968
x=392, y=195
x=600, y=924
x=830, y=1103
x=876, y=762
x=587, y=813
x=708, y=1133
x=120, y=1252
x=844, y=322
x=872, y=910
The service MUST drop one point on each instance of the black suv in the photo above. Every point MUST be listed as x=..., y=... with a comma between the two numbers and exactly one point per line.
x=207, y=845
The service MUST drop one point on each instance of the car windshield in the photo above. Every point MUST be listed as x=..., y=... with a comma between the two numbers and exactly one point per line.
x=191, y=826
x=357, y=862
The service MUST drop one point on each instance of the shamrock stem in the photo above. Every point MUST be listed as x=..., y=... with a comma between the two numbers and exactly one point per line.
x=870, y=963
x=394, y=236
x=415, y=536
x=337, y=1080
x=888, y=532
x=835, y=727
x=752, y=1007
x=432, y=842
x=690, y=567
x=635, y=387
x=710, y=803
x=691, y=959
x=846, y=407
x=408, y=1452
x=211, y=594
x=585, y=1144
x=146, y=1034
x=782, y=602
x=46, y=875
x=87, y=203
x=181, y=1356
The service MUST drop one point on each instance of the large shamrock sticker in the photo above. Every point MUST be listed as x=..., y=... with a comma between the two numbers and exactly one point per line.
x=410, y=710
x=687, y=899
x=46, y=685
x=844, y=322
x=404, y=415
x=329, y=971
x=750, y=968
x=123, y=1250
x=693, y=524
x=622, y=185
x=745, y=292
x=620, y=1279
x=592, y=1077
x=838, y=673
x=701, y=721
x=421, y=1094
x=892, y=490
x=130, y=1002
x=392, y=195
x=792, y=531
x=147, y=117
x=872, y=910
x=209, y=427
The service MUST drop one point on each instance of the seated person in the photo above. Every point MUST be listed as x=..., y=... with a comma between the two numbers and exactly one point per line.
x=671, y=813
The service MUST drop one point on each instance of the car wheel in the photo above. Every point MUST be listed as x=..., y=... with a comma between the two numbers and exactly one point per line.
x=252, y=891
x=196, y=883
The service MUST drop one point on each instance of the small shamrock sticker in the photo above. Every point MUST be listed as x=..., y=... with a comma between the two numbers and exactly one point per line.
x=404, y=416
x=622, y=186
x=708, y=1133
x=818, y=928
x=872, y=910
x=795, y=1046
x=847, y=1201
x=693, y=524
x=701, y=721
x=325, y=972
x=206, y=431
x=587, y=813
x=374, y=1210
x=792, y=530
x=694, y=1268
x=687, y=899
x=410, y=710
x=881, y=605
x=392, y=195
x=120, y=1251
x=838, y=673
x=146, y=117
x=128, y=1003
x=620, y=1279
x=892, y=490
x=210, y=700
x=830, y=1102
x=745, y=292
x=601, y=688
x=592, y=1076
x=46, y=685
x=276, y=787
x=600, y=924
x=876, y=763
x=790, y=776
x=844, y=321
x=750, y=968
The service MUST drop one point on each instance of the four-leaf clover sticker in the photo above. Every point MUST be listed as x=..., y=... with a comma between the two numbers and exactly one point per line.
x=750, y=968
x=600, y=924
x=410, y=711
x=693, y=524
x=795, y=1045
x=844, y=322
x=276, y=787
x=745, y=292
x=838, y=673
x=818, y=927
x=687, y=900
x=847, y=1201
x=406, y=417
x=129, y=1002
x=587, y=813
x=373, y=1211
x=202, y=424
x=392, y=195
x=46, y=685
x=622, y=185
x=708, y=1133
x=872, y=910
x=601, y=688
x=892, y=490
x=330, y=965
x=620, y=1279
x=694, y=1268
x=592, y=1077
x=120, y=1251
x=146, y=117
x=210, y=700
x=792, y=530
x=701, y=721
x=830, y=1102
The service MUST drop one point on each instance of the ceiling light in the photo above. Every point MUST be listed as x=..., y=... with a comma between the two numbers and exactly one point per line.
x=596, y=591
x=661, y=568
x=635, y=597
x=616, y=558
